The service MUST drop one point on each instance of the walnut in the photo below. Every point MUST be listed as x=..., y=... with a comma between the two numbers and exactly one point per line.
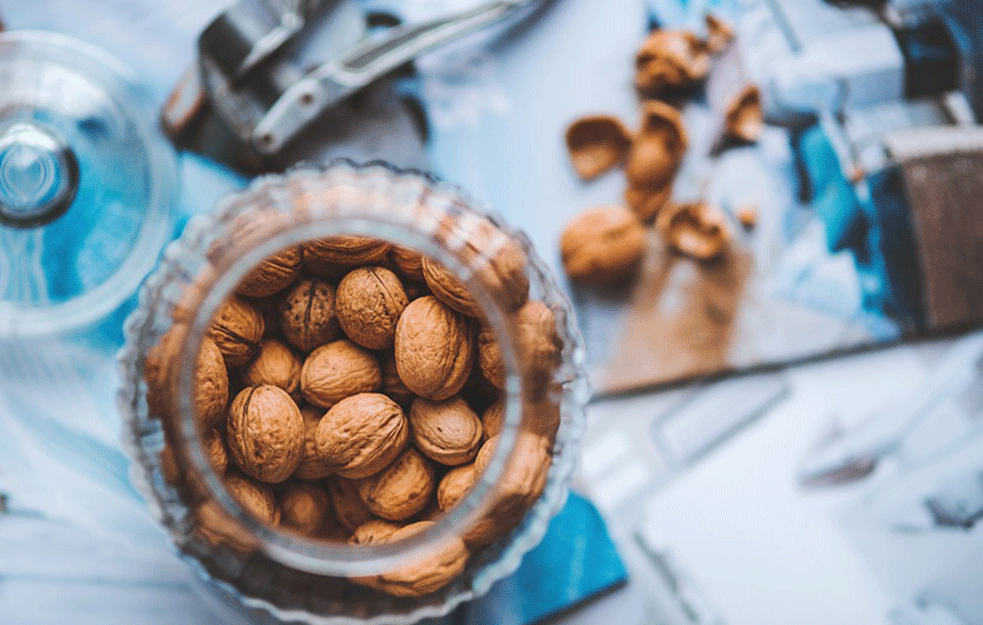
x=349, y=509
x=303, y=506
x=696, y=230
x=212, y=523
x=211, y=378
x=744, y=119
x=646, y=203
x=490, y=357
x=272, y=275
x=237, y=329
x=670, y=58
x=448, y=431
x=256, y=498
x=374, y=532
x=265, y=433
x=425, y=575
x=312, y=466
x=449, y=289
x=658, y=149
x=215, y=450
x=169, y=468
x=332, y=530
x=275, y=365
x=408, y=262
x=361, y=434
x=338, y=370
x=433, y=348
x=345, y=250
x=455, y=486
x=596, y=144
x=539, y=347
x=402, y=489
x=493, y=419
x=368, y=304
x=392, y=384
x=603, y=244
x=307, y=315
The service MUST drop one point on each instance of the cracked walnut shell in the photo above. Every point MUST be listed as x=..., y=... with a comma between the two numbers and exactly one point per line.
x=448, y=431
x=434, y=349
x=658, y=149
x=237, y=329
x=402, y=489
x=307, y=315
x=603, y=244
x=361, y=434
x=696, y=230
x=265, y=433
x=338, y=370
x=670, y=58
x=596, y=144
x=368, y=304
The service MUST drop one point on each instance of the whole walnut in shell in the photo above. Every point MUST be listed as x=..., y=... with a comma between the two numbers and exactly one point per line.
x=275, y=365
x=368, y=303
x=603, y=244
x=449, y=289
x=210, y=384
x=349, y=509
x=338, y=370
x=346, y=250
x=215, y=450
x=392, y=384
x=303, y=506
x=256, y=498
x=307, y=315
x=426, y=575
x=272, y=275
x=237, y=329
x=539, y=347
x=408, y=262
x=455, y=486
x=670, y=58
x=265, y=433
x=312, y=466
x=374, y=532
x=433, y=348
x=448, y=431
x=402, y=489
x=493, y=419
x=361, y=434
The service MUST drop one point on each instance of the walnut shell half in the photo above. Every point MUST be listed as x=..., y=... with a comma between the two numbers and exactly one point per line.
x=670, y=58
x=658, y=149
x=361, y=434
x=696, y=230
x=433, y=348
x=744, y=119
x=603, y=244
x=596, y=144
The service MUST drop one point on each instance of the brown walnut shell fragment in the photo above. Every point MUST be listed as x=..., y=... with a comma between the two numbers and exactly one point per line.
x=455, y=486
x=402, y=489
x=215, y=450
x=434, y=349
x=303, y=506
x=362, y=434
x=312, y=466
x=345, y=250
x=349, y=509
x=748, y=216
x=210, y=382
x=696, y=230
x=426, y=575
x=719, y=34
x=744, y=118
x=374, y=532
x=448, y=431
x=408, y=262
x=237, y=329
x=646, y=203
x=670, y=58
x=265, y=433
x=603, y=244
x=596, y=144
x=307, y=315
x=256, y=498
x=272, y=275
x=368, y=304
x=658, y=149
x=338, y=370
x=275, y=365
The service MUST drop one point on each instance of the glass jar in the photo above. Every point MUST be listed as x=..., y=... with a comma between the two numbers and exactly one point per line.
x=291, y=576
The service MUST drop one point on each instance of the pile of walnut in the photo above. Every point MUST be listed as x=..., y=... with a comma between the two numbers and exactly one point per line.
x=606, y=243
x=350, y=391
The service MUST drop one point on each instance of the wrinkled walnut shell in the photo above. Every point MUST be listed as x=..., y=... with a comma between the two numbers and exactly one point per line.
x=538, y=344
x=424, y=576
x=361, y=434
x=265, y=433
x=256, y=498
x=338, y=370
x=303, y=506
x=275, y=365
x=744, y=118
x=603, y=244
x=408, y=262
x=307, y=315
x=658, y=148
x=596, y=144
x=211, y=378
x=670, y=58
x=696, y=230
x=349, y=509
x=312, y=466
x=719, y=34
x=448, y=431
x=455, y=486
x=493, y=419
x=392, y=384
x=374, y=532
x=402, y=489
x=646, y=203
x=433, y=348
x=347, y=250
x=272, y=275
x=449, y=289
x=368, y=304
x=215, y=450
x=237, y=329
